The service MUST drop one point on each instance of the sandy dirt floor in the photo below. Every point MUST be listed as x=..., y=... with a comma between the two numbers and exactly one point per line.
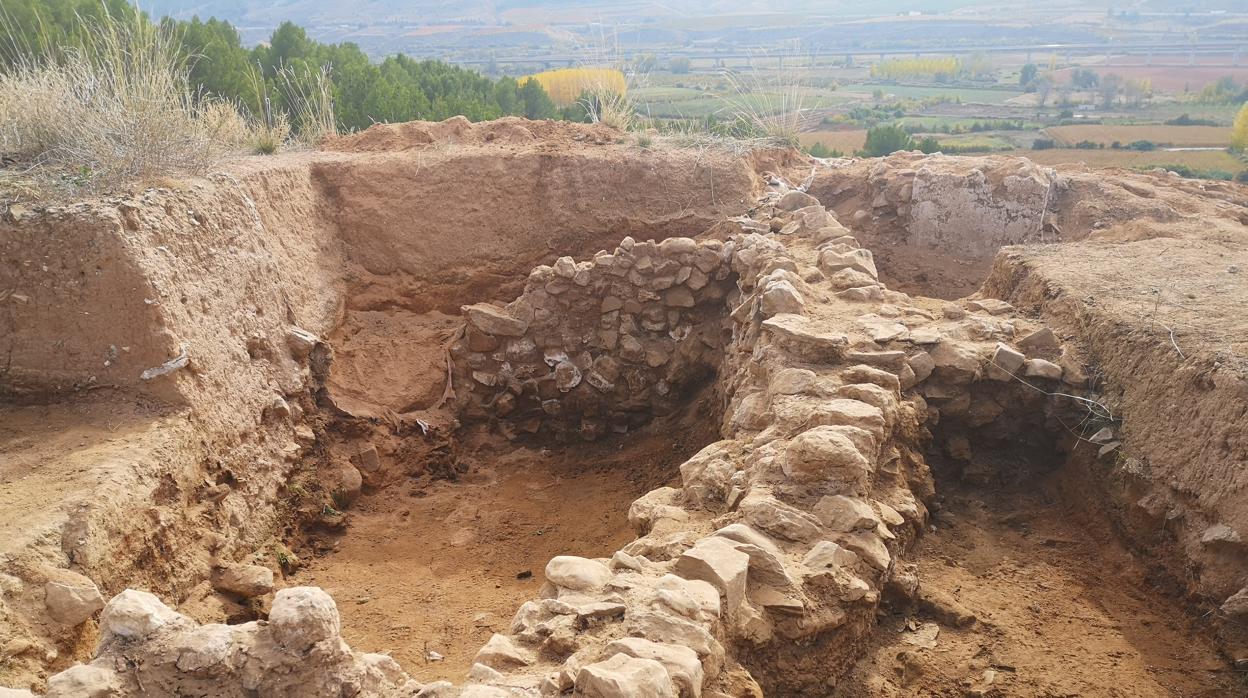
x=440, y=566
x=1061, y=608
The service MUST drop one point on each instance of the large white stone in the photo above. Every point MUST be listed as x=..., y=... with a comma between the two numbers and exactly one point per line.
x=247, y=581
x=71, y=598
x=502, y=654
x=623, y=676
x=841, y=513
x=84, y=681
x=779, y=519
x=824, y=455
x=682, y=663
x=134, y=615
x=577, y=573
x=715, y=560
x=302, y=617
x=780, y=296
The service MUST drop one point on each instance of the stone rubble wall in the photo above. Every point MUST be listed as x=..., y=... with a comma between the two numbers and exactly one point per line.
x=599, y=346
x=297, y=652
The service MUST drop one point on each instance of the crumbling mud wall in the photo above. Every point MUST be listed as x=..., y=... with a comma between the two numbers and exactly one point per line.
x=965, y=207
x=1177, y=386
x=597, y=347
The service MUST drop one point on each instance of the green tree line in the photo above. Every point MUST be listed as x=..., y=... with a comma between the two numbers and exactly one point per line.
x=263, y=78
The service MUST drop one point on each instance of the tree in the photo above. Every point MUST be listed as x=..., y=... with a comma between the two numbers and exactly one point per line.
x=1110, y=85
x=1044, y=85
x=883, y=140
x=680, y=65
x=1239, y=131
x=646, y=63
x=218, y=61
x=1028, y=74
x=929, y=145
x=1084, y=79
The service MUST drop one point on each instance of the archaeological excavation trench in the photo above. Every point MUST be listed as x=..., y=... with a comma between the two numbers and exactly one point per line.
x=515, y=409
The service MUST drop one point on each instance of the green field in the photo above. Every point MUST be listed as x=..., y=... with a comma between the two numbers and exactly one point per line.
x=966, y=94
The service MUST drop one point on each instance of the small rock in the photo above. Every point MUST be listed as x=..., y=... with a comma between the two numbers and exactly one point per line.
x=992, y=306
x=301, y=342
x=826, y=554
x=247, y=581
x=501, y=653
x=567, y=376
x=795, y=199
x=1219, y=533
x=678, y=297
x=71, y=598
x=1007, y=359
x=1039, y=340
x=826, y=455
x=1039, y=368
x=682, y=663
x=841, y=513
x=781, y=297
x=494, y=320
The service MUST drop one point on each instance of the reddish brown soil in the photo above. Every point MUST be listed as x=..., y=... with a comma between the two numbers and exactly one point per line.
x=1062, y=610
x=440, y=566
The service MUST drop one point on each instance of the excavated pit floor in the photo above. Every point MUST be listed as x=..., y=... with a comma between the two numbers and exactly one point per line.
x=1061, y=609
x=438, y=566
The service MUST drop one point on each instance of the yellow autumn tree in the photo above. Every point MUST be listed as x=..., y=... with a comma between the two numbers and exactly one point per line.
x=566, y=85
x=1239, y=131
x=914, y=68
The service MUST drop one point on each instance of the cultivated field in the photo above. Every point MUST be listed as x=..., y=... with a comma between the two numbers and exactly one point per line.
x=845, y=141
x=1106, y=134
x=1195, y=159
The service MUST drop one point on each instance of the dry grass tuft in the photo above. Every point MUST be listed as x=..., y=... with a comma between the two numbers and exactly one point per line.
x=775, y=110
x=121, y=108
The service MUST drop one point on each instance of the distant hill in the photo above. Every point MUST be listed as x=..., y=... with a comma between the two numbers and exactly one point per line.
x=478, y=27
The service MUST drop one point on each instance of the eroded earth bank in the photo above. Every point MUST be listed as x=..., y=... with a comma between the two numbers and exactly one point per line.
x=520, y=408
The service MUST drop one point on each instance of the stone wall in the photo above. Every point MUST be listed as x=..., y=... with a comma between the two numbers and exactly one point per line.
x=597, y=346
x=764, y=569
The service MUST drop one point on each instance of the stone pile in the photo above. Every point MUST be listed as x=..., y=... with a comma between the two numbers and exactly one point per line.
x=148, y=649
x=598, y=346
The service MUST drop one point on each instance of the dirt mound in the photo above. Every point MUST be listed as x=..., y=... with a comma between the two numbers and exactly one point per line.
x=459, y=131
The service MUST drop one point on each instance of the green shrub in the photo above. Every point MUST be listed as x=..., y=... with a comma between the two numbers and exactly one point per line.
x=820, y=150
x=883, y=140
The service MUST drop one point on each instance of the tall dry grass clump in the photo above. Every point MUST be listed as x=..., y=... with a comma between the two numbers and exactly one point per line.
x=120, y=107
x=309, y=93
x=775, y=109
